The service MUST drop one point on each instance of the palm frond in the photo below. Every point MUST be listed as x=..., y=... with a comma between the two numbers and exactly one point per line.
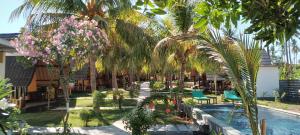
x=239, y=58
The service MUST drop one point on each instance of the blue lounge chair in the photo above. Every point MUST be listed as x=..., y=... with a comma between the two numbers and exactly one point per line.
x=198, y=95
x=231, y=95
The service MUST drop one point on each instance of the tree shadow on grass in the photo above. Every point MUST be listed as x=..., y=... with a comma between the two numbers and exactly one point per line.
x=102, y=119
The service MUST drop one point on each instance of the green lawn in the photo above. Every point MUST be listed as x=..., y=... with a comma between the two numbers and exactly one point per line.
x=108, y=92
x=280, y=105
x=54, y=118
x=89, y=103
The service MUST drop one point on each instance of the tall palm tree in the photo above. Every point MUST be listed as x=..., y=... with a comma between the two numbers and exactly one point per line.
x=43, y=12
x=136, y=33
x=241, y=60
x=181, y=13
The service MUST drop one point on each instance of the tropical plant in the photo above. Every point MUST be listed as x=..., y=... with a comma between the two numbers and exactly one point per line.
x=278, y=95
x=5, y=88
x=8, y=114
x=241, y=60
x=85, y=116
x=98, y=98
x=181, y=13
x=51, y=12
x=118, y=96
x=269, y=20
x=61, y=46
x=158, y=85
x=139, y=120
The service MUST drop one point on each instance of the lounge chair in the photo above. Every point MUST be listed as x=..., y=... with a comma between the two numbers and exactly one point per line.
x=198, y=95
x=231, y=95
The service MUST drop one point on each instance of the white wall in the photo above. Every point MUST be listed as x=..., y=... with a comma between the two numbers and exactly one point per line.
x=267, y=81
x=2, y=67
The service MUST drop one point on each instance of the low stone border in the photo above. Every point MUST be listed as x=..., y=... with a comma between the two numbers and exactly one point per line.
x=202, y=118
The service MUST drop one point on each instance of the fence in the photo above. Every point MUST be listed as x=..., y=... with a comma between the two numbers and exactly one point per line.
x=291, y=88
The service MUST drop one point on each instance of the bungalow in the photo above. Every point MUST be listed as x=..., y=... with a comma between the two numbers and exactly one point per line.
x=267, y=77
x=30, y=82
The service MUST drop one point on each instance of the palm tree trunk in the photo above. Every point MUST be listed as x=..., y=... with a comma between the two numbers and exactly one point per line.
x=114, y=79
x=131, y=78
x=93, y=73
x=181, y=78
x=167, y=83
x=268, y=50
x=204, y=80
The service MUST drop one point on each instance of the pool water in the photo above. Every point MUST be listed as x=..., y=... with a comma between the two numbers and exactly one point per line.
x=278, y=123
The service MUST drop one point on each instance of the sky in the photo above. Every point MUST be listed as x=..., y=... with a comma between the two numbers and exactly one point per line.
x=5, y=9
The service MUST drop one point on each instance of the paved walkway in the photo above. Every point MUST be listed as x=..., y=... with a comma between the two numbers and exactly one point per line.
x=101, y=108
x=103, y=130
x=145, y=91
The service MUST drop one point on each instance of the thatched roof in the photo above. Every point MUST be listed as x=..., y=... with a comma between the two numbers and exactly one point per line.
x=17, y=73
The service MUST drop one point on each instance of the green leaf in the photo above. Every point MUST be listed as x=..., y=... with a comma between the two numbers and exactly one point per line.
x=139, y=3
x=158, y=11
x=201, y=25
x=161, y=3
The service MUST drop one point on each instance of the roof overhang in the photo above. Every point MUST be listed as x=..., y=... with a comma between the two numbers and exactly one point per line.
x=5, y=46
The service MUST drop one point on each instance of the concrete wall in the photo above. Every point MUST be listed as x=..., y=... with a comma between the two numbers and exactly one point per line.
x=267, y=81
x=2, y=66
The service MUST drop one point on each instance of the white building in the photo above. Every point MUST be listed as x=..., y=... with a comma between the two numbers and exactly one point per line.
x=267, y=77
x=4, y=49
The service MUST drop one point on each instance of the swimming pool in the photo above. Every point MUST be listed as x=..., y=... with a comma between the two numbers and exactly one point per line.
x=278, y=123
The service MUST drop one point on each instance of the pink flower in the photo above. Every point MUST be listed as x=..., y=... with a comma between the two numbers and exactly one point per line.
x=89, y=33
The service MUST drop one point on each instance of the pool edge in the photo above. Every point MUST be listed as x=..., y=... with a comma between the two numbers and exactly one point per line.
x=214, y=123
x=280, y=110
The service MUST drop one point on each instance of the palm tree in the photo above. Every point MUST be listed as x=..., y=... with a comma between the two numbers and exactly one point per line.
x=181, y=13
x=241, y=60
x=135, y=32
x=43, y=12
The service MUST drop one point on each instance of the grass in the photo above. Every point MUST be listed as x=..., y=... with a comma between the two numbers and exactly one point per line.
x=107, y=102
x=108, y=92
x=54, y=118
x=295, y=107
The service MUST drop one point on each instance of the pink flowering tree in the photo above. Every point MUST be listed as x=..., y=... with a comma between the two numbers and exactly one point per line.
x=73, y=40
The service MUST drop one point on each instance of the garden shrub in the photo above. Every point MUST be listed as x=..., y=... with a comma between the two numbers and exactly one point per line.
x=279, y=95
x=139, y=121
x=8, y=113
x=158, y=85
x=190, y=102
x=86, y=116
x=118, y=97
x=98, y=97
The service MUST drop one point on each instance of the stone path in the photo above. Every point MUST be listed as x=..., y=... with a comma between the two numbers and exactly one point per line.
x=103, y=130
x=102, y=108
x=144, y=91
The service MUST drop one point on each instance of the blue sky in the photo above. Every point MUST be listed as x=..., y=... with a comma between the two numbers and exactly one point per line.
x=5, y=9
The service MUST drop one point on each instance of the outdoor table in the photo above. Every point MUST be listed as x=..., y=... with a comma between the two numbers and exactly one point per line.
x=214, y=98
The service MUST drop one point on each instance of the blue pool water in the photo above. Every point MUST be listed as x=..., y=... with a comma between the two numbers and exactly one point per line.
x=278, y=123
